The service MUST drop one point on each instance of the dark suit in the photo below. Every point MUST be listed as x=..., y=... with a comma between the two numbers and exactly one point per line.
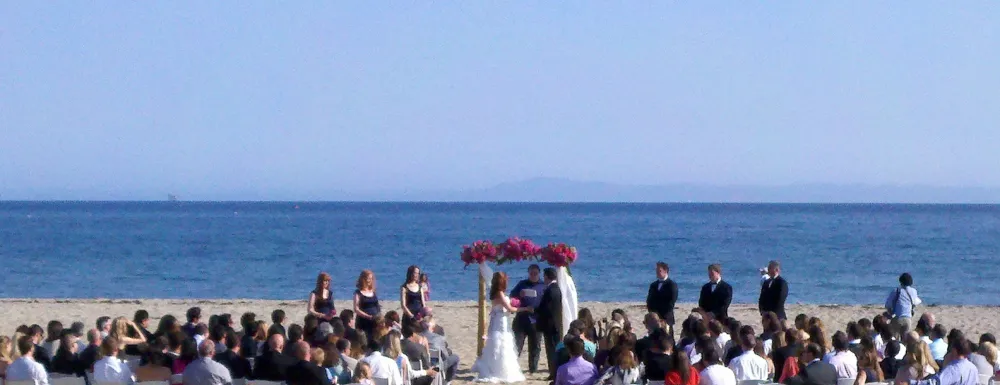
x=239, y=367
x=661, y=300
x=307, y=373
x=272, y=366
x=816, y=373
x=717, y=301
x=42, y=357
x=772, y=296
x=549, y=314
x=90, y=355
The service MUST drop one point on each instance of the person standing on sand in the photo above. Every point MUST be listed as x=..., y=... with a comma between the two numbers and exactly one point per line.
x=716, y=295
x=773, y=290
x=662, y=296
x=529, y=293
x=549, y=318
x=902, y=303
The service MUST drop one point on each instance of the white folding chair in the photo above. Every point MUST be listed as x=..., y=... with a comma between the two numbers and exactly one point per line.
x=176, y=379
x=261, y=382
x=239, y=381
x=755, y=382
x=68, y=380
x=153, y=383
x=383, y=381
x=984, y=379
x=656, y=382
x=27, y=382
x=436, y=357
x=845, y=381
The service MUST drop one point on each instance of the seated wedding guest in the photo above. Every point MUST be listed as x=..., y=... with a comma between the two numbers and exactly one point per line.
x=415, y=346
x=189, y=353
x=347, y=317
x=110, y=368
x=845, y=362
x=218, y=336
x=359, y=346
x=248, y=343
x=204, y=370
x=790, y=350
x=200, y=335
x=985, y=358
x=758, y=349
x=141, y=319
x=7, y=352
x=26, y=368
x=734, y=349
x=233, y=359
x=79, y=330
x=381, y=367
x=260, y=337
x=938, y=344
x=126, y=333
x=652, y=322
x=42, y=355
x=817, y=335
x=277, y=319
x=155, y=369
x=391, y=347
x=590, y=347
x=193, y=319
x=624, y=368
x=295, y=333
x=715, y=373
x=868, y=367
x=854, y=335
x=577, y=371
x=719, y=335
x=168, y=324
x=657, y=358
x=958, y=372
x=66, y=360
x=814, y=371
x=589, y=325
x=273, y=364
x=439, y=343
x=748, y=365
x=363, y=374
x=305, y=371
x=54, y=332
x=608, y=349
x=681, y=371
x=332, y=361
x=343, y=347
x=771, y=325
x=92, y=352
x=393, y=321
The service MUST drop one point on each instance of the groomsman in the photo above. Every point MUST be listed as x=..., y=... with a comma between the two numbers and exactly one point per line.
x=716, y=295
x=662, y=295
x=773, y=290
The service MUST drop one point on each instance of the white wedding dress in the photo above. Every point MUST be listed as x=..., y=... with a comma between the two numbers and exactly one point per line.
x=498, y=364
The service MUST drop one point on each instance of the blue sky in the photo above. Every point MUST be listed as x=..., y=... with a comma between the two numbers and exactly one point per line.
x=266, y=100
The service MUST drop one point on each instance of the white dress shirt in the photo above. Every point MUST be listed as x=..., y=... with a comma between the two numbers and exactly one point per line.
x=717, y=375
x=846, y=364
x=722, y=341
x=26, y=369
x=749, y=366
x=111, y=369
x=384, y=367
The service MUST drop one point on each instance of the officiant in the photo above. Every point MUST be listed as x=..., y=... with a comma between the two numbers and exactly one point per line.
x=529, y=293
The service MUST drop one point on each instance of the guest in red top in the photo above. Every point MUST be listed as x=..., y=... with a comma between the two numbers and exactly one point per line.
x=682, y=373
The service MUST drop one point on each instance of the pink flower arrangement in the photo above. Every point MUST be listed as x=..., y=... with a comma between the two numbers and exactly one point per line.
x=559, y=254
x=514, y=302
x=480, y=252
x=515, y=249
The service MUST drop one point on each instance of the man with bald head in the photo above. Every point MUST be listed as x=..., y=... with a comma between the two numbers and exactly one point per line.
x=273, y=364
x=92, y=353
x=305, y=372
x=204, y=370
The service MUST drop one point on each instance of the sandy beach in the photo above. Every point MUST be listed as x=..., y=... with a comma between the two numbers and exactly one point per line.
x=457, y=317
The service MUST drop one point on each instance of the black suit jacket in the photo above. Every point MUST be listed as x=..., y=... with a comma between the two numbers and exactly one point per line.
x=42, y=357
x=272, y=366
x=716, y=302
x=549, y=312
x=772, y=296
x=307, y=373
x=816, y=373
x=661, y=300
x=239, y=367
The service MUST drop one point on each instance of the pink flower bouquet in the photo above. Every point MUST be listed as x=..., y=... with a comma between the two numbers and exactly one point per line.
x=516, y=250
x=515, y=302
x=559, y=254
x=479, y=252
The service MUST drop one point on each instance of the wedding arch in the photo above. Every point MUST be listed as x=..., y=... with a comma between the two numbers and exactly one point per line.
x=514, y=249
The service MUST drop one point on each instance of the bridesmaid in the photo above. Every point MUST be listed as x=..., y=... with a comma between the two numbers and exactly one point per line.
x=321, y=299
x=411, y=295
x=366, y=307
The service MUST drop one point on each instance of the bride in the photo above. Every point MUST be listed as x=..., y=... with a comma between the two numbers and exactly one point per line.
x=499, y=360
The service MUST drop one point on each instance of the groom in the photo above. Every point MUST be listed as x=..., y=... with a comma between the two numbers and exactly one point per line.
x=549, y=315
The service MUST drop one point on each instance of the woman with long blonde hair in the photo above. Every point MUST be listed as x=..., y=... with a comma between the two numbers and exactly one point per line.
x=6, y=355
x=125, y=331
x=919, y=363
x=869, y=369
x=392, y=348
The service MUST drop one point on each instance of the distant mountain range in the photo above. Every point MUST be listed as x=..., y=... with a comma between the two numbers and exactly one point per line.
x=563, y=190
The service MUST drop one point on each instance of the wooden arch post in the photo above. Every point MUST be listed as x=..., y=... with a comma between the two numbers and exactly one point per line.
x=482, y=315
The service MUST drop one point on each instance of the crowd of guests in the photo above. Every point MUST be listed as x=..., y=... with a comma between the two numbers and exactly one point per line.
x=352, y=346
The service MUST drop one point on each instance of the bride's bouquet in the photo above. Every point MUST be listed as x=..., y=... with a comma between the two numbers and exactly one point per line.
x=479, y=252
x=559, y=254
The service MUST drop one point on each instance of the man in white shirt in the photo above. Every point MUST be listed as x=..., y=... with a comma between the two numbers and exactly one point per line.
x=25, y=368
x=714, y=373
x=842, y=359
x=382, y=366
x=748, y=366
x=204, y=370
x=110, y=368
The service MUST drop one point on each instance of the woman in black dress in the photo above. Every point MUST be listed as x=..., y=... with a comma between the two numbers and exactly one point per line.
x=321, y=299
x=411, y=295
x=366, y=306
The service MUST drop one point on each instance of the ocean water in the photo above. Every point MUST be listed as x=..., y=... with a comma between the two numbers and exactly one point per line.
x=846, y=254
